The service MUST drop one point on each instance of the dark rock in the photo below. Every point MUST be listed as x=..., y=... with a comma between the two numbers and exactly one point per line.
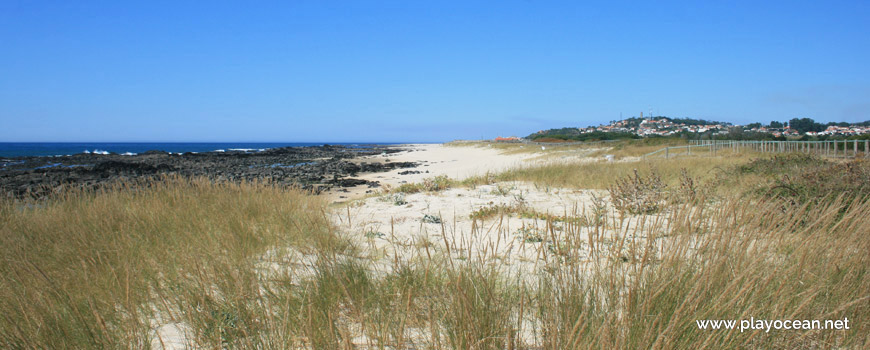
x=349, y=182
x=131, y=167
x=314, y=169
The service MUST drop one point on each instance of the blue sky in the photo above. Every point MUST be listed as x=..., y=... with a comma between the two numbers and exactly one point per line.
x=311, y=71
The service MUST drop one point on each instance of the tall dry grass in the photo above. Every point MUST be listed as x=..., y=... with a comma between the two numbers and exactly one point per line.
x=629, y=281
x=736, y=260
x=724, y=249
x=100, y=269
x=254, y=266
x=601, y=175
x=619, y=148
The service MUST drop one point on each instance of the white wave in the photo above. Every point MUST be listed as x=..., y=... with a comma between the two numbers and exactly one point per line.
x=219, y=150
x=97, y=151
x=128, y=154
x=87, y=152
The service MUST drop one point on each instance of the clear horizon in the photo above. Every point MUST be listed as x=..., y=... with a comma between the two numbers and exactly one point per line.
x=314, y=71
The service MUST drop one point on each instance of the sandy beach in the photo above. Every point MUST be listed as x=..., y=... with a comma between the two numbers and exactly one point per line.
x=408, y=249
x=394, y=225
x=458, y=162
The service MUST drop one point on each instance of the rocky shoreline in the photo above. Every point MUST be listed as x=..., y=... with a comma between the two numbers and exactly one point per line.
x=316, y=168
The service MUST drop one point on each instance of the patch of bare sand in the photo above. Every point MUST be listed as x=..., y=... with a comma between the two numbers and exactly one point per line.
x=455, y=162
x=454, y=222
x=397, y=225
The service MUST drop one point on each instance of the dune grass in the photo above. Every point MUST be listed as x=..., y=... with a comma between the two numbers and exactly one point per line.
x=526, y=148
x=255, y=266
x=618, y=148
x=601, y=175
x=94, y=270
x=737, y=261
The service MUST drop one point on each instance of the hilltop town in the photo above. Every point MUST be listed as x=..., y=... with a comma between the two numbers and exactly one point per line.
x=639, y=127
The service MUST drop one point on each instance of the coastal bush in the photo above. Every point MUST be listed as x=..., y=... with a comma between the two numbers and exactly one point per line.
x=438, y=183
x=851, y=179
x=638, y=195
x=435, y=184
x=409, y=188
x=800, y=178
x=492, y=210
x=789, y=163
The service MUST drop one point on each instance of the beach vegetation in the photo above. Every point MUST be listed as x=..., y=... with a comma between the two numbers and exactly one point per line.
x=250, y=265
x=638, y=195
x=434, y=184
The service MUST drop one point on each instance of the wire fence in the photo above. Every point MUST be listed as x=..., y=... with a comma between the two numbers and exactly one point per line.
x=830, y=148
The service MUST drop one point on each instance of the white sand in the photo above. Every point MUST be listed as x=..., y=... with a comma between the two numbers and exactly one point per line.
x=395, y=226
x=455, y=162
x=172, y=336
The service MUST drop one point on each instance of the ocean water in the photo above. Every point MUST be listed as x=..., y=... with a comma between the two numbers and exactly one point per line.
x=22, y=149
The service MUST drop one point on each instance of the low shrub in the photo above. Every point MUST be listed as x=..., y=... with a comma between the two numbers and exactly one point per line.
x=636, y=194
x=438, y=183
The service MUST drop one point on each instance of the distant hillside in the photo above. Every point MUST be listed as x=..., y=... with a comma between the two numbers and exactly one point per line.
x=660, y=126
x=690, y=121
x=575, y=134
x=623, y=129
x=635, y=121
